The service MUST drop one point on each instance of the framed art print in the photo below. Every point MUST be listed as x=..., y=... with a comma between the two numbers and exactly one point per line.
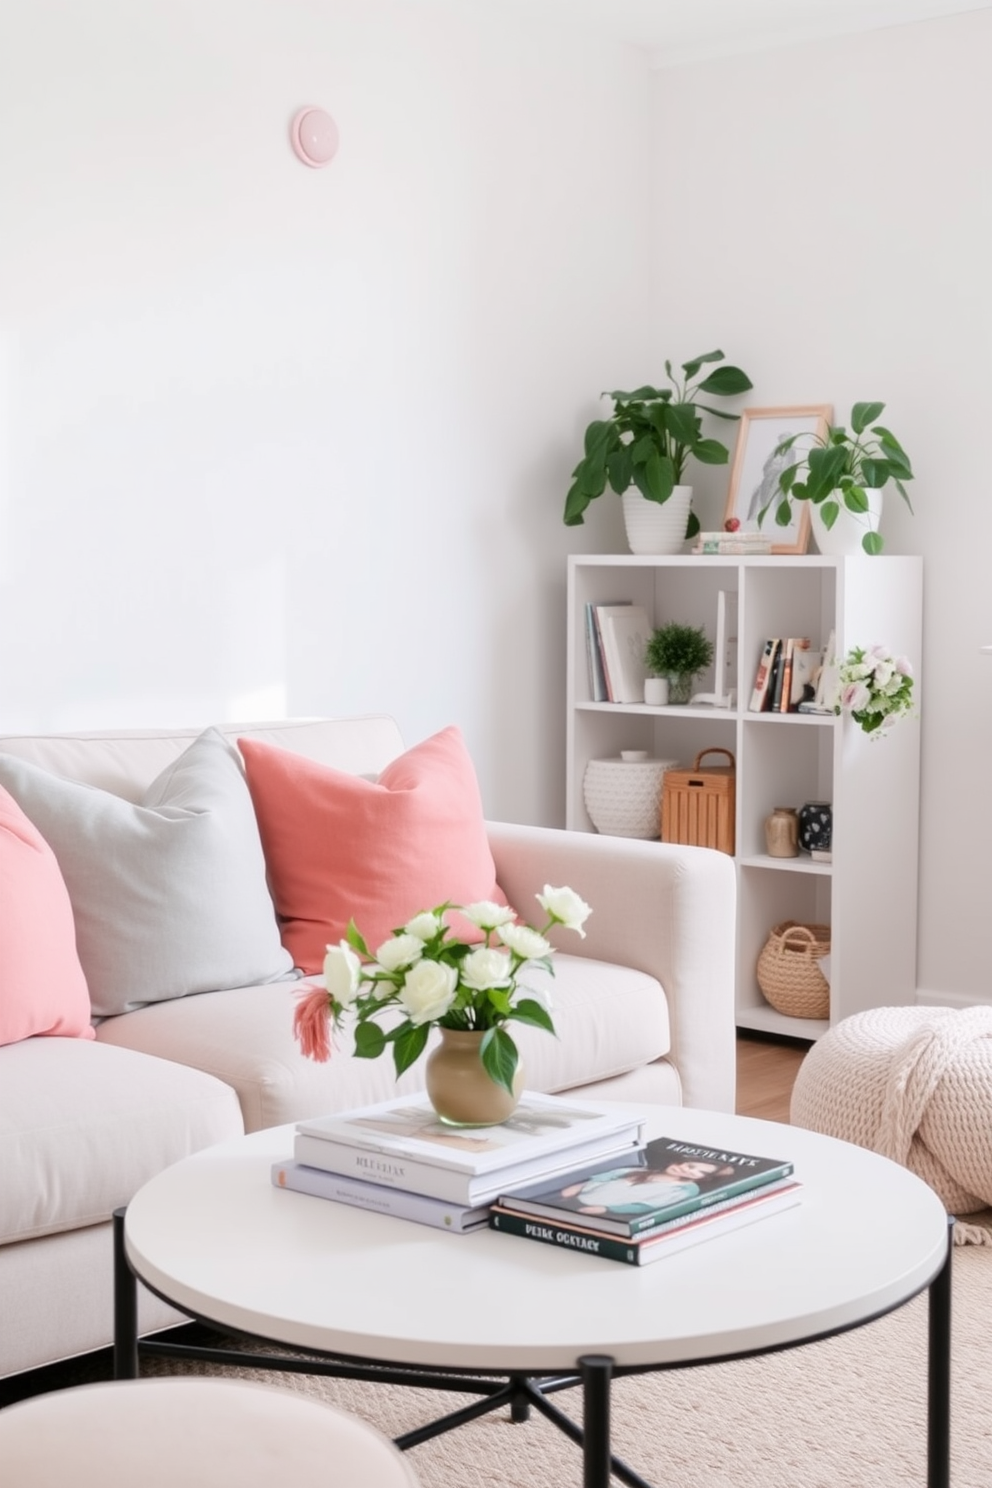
x=758, y=464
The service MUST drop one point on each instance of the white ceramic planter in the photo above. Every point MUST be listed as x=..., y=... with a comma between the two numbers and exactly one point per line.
x=844, y=537
x=652, y=528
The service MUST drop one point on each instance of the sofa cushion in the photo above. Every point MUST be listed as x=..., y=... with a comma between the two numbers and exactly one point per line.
x=84, y=1125
x=42, y=986
x=610, y=1019
x=169, y=894
x=340, y=847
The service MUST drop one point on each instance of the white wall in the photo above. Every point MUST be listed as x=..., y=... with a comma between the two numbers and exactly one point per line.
x=824, y=213
x=283, y=440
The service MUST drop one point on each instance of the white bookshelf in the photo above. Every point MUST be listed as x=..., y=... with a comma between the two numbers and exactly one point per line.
x=868, y=893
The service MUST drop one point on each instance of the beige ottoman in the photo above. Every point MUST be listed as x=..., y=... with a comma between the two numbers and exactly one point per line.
x=191, y=1433
x=914, y=1084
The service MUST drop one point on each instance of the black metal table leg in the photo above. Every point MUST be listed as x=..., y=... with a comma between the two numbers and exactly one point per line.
x=939, y=1373
x=125, y=1307
x=596, y=1371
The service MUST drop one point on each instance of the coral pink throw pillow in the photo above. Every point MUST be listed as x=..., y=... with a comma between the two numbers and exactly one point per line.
x=42, y=986
x=339, y=847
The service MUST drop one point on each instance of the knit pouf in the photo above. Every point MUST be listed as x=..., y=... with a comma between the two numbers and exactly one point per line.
x=914, y=1084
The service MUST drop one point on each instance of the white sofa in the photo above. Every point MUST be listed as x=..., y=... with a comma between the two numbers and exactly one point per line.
x=643, y=1008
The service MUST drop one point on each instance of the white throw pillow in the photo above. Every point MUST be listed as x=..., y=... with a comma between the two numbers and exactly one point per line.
x=169, y=895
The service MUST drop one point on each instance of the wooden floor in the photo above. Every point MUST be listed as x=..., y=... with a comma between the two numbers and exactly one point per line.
x=766, y=1069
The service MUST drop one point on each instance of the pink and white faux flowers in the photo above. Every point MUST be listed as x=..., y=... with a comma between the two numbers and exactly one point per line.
x=423, y=976
x=876, y=688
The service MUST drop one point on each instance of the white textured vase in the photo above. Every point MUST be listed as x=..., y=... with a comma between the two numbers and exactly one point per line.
x=652, y=528
x=844, y=537
x=623, y=797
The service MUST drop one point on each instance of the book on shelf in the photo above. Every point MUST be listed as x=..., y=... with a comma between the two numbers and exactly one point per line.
x=662, y=1180
x=601, y=679
x=401, y=1143
x=805, y=665
x=763, y=676
x=740, y=543
x=459, y=1219
x=625, y=630
x=667, y=1239
x=597, y=681
x=773, y=702
x=784, y=685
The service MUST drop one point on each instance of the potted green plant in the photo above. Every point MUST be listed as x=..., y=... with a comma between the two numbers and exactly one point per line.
x=642, y=449
x=680, y=653
x=842, y=477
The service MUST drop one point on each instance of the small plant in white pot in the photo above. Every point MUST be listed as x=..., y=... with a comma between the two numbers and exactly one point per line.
x=680, y=653
x=842, y=476
x=642, y=449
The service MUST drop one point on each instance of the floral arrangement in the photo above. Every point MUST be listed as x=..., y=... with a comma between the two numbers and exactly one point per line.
x=876, y=688
x=427, y=977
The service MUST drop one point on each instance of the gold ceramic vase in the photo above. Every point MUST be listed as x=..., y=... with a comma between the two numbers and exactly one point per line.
x=458, y=1086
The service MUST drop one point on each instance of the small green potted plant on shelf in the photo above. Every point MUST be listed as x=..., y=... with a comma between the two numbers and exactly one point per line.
x=842, y=477
x=642, y=449
x=680, y=653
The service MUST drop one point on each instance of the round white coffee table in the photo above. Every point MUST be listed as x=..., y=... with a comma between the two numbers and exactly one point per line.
x=213, y=1236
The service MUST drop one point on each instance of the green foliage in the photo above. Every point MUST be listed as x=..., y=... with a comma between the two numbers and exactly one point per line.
x=650, y=436
x=678, y=650
x=840, y=470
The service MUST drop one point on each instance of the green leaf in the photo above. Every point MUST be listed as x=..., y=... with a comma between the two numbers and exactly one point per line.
x=642, y=449
x=575, y=504
x=874, y=472
x=904, y=494
x=641, y=395
x=655, y=478
x=826, y=466
x=894, y=453
x=530, y=1011
x=369, y=1040
x=863, y=414
x=829, y=512
x=619, y=467
x=682, y=422
x=787, y=478
x=733, y=418
x=692, y=527
x=855, y=500
x=710, y=452
x=783, y=514
x=499, y=1057
x=354, y=938
x=598, y=435
x=872, y=542
x=409, y=1042
x=692, y=367
x=725, y=382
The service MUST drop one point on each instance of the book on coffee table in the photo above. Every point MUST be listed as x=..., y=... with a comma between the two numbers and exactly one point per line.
x=665, y=1239
x=660, y=1181
x=401, y=1143
x=457, y=1219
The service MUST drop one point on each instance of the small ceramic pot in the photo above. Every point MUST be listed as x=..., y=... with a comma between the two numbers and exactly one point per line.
x=816, y=826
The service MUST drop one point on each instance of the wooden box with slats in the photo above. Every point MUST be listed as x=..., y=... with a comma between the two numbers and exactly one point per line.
x=697, y=805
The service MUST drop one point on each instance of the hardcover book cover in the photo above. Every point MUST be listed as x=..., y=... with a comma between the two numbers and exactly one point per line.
x=666, y=1239
x=660, y=1181
x=409, y=1127
x=458, y=1219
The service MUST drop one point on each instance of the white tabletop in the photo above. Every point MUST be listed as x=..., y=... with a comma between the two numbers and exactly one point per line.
x=214, y=1235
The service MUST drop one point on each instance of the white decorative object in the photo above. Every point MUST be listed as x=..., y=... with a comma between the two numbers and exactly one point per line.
x=725, y=653
x=623, y=796
x=844, y=538
x=656, y=529
x=656, y=691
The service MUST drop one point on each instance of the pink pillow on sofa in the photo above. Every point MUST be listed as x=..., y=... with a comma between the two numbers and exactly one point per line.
x=42, y=986
x=339, y=847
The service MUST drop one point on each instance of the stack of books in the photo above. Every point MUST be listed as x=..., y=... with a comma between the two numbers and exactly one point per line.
x=398, y=1158
x=741, y=544
x=661, y=1199
x=786, y=676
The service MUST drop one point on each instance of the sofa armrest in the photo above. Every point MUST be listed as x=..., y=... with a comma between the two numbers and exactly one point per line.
x=663, y=909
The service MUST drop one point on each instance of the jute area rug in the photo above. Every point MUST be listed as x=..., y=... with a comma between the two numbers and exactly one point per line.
x=849, y=1412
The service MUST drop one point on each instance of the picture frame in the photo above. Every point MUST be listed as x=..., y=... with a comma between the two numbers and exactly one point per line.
x=756, y=468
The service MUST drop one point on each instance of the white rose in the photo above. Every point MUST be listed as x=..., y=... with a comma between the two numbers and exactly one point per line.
x=424, y=926
x=342, y=974
x=428, y=991
x=565, y=907
x=486, y=915
x=527, y=943
x=486, y=967
x=400, y=950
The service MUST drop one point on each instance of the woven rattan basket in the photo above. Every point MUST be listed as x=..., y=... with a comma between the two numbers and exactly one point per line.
x=789, y=972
